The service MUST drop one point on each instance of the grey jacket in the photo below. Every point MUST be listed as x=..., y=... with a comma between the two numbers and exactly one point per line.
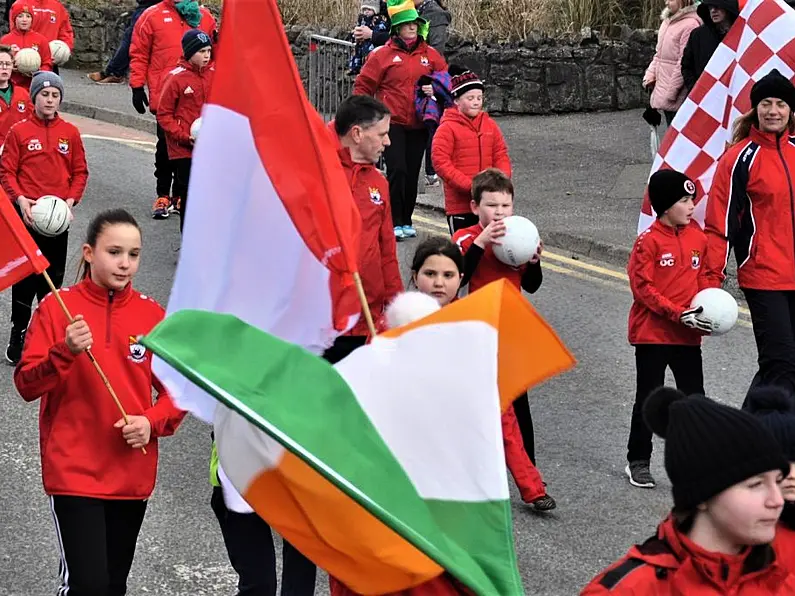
x=438, y=22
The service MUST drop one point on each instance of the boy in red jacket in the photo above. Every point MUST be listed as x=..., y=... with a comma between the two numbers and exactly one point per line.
x=15, y=104
x=185, y=90
x=665, y=273
x=468, y=141
x=492, y=201
x=22, y=36
x=42, y=155
x=51, y=19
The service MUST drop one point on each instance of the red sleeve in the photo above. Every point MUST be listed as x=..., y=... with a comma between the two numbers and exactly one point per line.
x=393, y=284
x=9, y=166
x=167, y=109
x=140, y=48
x=66, y=34
x=442, y=155
x=716, y=223
x=164, y=416
x=370, y=76
x=79, y=173
x=46, y=55
x=525, y=474
x=641, y=281
x=464, y=239
x=437, y=60
x=46, y=360
x=500, y=157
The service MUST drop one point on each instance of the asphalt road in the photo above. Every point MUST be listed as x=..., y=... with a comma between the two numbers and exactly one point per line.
x=581, y=421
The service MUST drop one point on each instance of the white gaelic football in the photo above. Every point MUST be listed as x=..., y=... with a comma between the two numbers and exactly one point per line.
x=719, y=306
x=195, y=128
x=50, y=216
x=520, y=243
x=27, y=61
x=60, y=52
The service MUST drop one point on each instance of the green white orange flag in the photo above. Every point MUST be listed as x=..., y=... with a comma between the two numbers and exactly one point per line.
x=387, y=468
x=271, y=231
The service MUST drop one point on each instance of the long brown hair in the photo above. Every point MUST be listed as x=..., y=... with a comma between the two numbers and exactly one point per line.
x=743, y=124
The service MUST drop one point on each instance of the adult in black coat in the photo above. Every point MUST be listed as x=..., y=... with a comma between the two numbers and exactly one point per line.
x=718, y=17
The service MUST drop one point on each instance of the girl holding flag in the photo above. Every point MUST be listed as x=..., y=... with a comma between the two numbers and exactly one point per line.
x=94, y=468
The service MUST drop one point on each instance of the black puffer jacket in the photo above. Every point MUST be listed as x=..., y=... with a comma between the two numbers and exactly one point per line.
x=704, y=40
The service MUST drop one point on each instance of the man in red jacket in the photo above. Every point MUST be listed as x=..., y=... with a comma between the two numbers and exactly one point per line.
x=155, y=50
x=42, y=155
x=185, y=90
x=362, y=127
x=665, y=272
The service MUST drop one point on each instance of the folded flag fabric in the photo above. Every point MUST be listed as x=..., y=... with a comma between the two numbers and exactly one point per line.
x=388, y=467
x=19, y=255
x=272, y=233
x=760, y=40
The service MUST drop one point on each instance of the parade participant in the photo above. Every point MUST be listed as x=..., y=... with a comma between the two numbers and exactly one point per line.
x=389, y=75
x=467, y=142
x=155, y=49
x=725, y=468
x=93, y=469
x=492, y=202
x=15, y=104
x=665, y=273
x=750, y=210
x=22, y=36
x=186, y=89
x=718, y=17
x=51, y=19
x=42, y=155
x=437, y=270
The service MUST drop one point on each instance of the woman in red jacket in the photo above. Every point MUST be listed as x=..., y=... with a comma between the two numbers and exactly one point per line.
x=93, y=469
x=725, y=468
x=751, y=209
x=42, y=155
x=389, y=75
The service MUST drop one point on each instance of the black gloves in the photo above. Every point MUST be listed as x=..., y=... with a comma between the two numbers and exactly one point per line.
x=139, y=100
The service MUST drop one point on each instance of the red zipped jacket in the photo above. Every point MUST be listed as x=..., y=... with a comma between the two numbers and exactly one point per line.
x=462, y=148
x=186, y=88
x=44, y=157
x=26, y=39
x=670, y=564
x=378, y=264
x=390, y=74
x=665, y=272
x=51, y=19
x=82, y=454
x=18, y=109
x=751, y=209
x=784, y=544
x=156, y=46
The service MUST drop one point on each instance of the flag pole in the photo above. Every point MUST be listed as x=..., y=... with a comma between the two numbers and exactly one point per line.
x=90, y=355
x=363, y=299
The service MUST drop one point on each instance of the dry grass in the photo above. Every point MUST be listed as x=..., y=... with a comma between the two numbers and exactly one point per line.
x=505, y=19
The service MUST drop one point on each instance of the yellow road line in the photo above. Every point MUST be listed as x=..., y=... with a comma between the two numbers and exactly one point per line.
x=613, y=273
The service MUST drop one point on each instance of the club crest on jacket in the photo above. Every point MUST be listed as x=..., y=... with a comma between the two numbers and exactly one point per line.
x=63, y=146
x=137, y=351
x=695, y=259
x=21, y=106
x=375, y=196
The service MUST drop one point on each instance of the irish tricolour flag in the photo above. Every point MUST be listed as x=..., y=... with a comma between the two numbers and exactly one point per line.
x=388, y=467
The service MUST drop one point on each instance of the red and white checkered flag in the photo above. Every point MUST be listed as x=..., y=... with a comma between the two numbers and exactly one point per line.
x=761, y=39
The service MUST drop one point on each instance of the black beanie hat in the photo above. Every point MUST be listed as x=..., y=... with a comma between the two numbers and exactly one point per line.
x=775, y=408
x=709, y=447
x=773, y=84
x=667, y=187
x=462, y=80
x=193, y=41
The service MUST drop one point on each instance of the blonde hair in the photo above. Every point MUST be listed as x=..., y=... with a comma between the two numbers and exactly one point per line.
x=743, y=124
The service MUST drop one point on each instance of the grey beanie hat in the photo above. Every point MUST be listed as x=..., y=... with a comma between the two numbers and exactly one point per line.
x=42, y=79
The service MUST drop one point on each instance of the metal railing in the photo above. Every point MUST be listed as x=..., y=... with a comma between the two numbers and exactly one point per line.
x=329, y=82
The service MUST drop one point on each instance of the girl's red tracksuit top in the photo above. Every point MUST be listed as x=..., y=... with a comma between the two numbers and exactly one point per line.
x=82, y=454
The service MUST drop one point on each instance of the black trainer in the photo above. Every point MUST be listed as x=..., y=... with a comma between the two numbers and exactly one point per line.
x=15, y=344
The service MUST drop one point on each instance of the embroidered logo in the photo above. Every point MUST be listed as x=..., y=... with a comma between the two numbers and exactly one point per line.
x=188, y=90
x=690, y=188
x=375, y=196
x=424, y=61
x=667, y=260
x=63, y=146
x=137, y=351
x=397, y=59
x=21, y=106
x=53, y=18
x=34, y=145
x=695, y=259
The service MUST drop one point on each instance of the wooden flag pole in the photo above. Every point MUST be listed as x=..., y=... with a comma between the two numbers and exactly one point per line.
x=363, y=299
x=90, y=355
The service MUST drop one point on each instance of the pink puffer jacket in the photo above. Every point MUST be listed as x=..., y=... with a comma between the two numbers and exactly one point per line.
x=665, y=70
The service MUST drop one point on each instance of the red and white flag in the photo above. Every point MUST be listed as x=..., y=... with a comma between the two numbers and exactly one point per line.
x=761, y=39
x=19, y=255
